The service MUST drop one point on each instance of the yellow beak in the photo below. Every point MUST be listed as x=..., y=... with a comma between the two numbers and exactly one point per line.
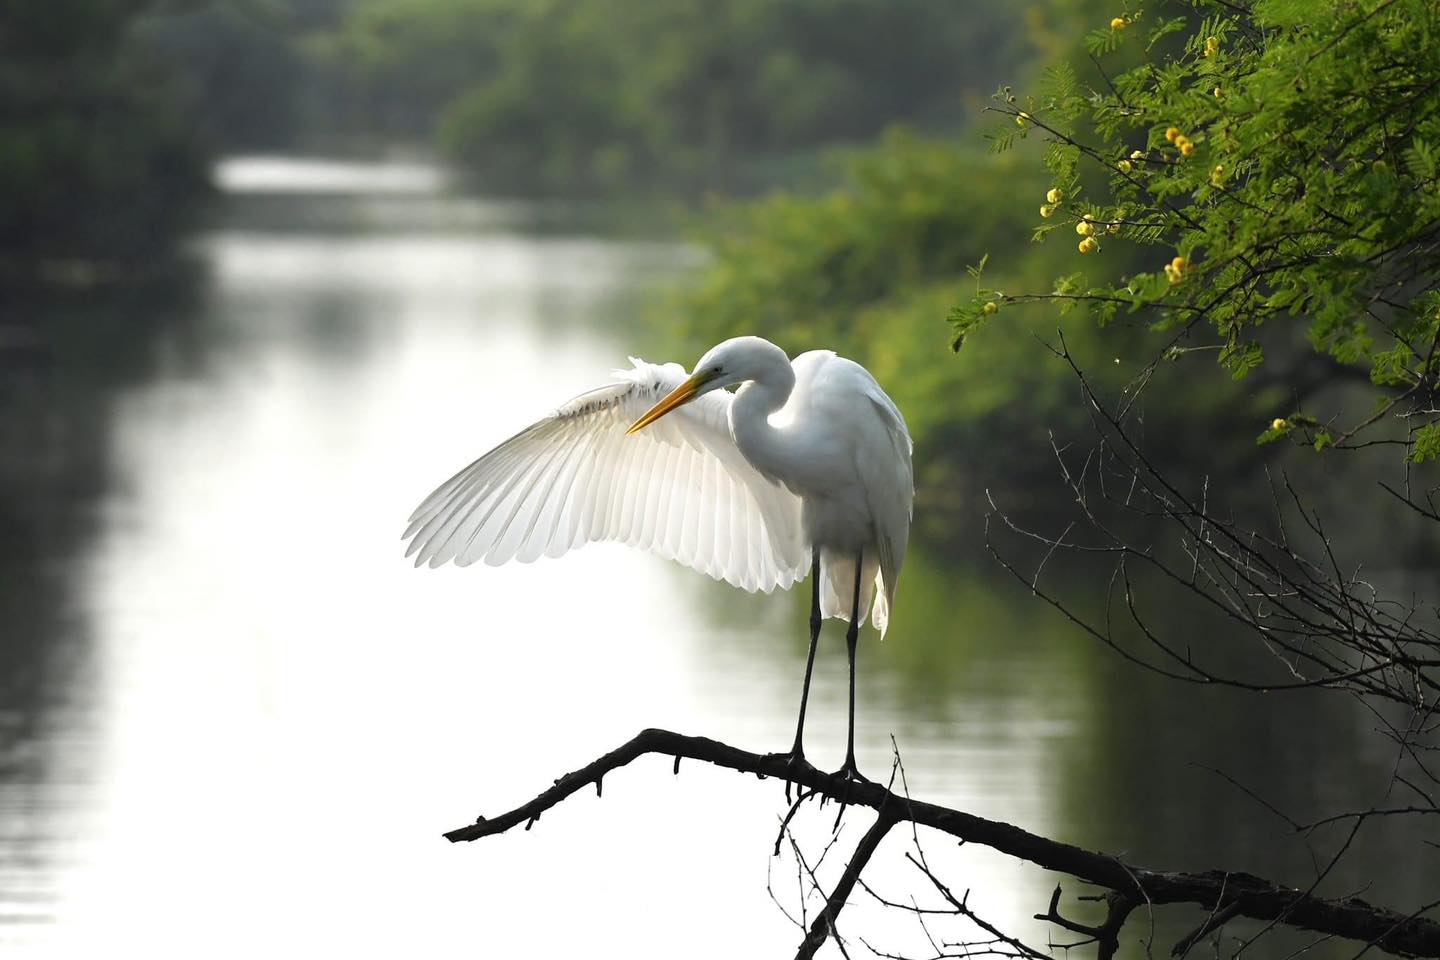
x=678, y=397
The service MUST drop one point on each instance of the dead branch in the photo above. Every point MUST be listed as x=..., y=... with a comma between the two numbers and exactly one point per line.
x=1244, y=895
x=824, y=925
x=1106, y=936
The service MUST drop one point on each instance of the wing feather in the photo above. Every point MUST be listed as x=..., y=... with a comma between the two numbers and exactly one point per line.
x=679, y=488
x=658, y=504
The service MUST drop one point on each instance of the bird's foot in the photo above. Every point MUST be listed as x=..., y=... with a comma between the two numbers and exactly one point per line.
x=845, y=777
x=796, y=766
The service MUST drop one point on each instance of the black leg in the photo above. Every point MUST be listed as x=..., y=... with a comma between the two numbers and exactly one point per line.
x=851, y=636
x=797, y=752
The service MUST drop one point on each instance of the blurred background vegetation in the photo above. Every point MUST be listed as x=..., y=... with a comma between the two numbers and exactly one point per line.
x=826, y=154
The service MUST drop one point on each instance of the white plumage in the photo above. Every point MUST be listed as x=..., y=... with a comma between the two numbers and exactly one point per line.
x=806, y=464
x=835, y=473
x=680, y=489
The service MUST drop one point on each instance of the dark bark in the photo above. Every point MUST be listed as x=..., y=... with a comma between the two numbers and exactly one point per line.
x=1236, y=894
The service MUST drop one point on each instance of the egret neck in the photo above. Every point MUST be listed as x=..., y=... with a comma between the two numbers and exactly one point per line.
x=763, y=395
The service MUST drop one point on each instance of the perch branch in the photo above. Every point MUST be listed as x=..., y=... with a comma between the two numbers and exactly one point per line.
x=1244, y=894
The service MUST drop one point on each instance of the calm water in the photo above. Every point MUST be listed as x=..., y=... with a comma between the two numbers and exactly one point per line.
x=234, y=720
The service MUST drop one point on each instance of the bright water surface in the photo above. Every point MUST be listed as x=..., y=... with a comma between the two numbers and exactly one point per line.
x=235, y=720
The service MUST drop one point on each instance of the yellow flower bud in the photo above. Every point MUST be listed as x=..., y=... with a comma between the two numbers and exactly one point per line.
x=1021, y=118
x=1085, y=228
x=1171, y=133
x=1123, y=166
x=1279, y=424
x=1118, y=23
x=990, y=307
x=1186, y=148
x=1217, y=176
x=1212, y=46
x=1088, y=245
x=1172, y=274
x=1055, y=195
x=1138, y=155
x=1219, y=93
x=1047, y=209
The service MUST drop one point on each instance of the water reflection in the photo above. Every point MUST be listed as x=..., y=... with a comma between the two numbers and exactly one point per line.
x=235, y=720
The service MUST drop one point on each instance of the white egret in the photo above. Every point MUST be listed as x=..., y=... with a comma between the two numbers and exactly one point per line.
x=806, y=464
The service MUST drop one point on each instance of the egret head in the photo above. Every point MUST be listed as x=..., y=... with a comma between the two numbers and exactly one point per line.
x=734, y=361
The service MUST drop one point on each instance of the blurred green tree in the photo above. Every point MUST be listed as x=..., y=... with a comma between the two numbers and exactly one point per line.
x=568, y=95
x=98, y=160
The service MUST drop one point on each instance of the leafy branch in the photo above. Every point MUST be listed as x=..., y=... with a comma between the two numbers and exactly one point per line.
x=1283, y=163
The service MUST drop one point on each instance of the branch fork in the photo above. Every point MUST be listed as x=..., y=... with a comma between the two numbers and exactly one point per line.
x=1128, y=886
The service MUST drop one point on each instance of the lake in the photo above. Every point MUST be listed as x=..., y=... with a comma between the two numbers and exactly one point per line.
x=235, y=721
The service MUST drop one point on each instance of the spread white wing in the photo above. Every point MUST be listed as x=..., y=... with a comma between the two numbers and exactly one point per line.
x=679, y=488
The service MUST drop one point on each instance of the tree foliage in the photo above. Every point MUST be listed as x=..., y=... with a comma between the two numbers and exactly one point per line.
x=97, y=157
x=568, y=95
x=1276, y=165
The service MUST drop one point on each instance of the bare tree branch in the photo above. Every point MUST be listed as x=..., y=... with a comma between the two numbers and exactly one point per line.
x=1251, y=896
x=824, y=925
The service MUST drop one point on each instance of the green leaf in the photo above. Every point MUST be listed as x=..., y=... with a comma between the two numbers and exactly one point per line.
x=1241, y=358
x=1272, y=434
x=1420, y=159
x=1425, y=445
x=1391, y=367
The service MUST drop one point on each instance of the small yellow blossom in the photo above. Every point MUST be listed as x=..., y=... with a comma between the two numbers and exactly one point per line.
x=1047, y=209
x=1212, y=46
x=1175, y=269
x=1088, y=245
x=1022, y=118
x=1219, y=94
x=1118, y=23
x=1137, y=155
x=1186, y=148
x=1085, y=228
x=1055, y=195
x=1171, y=133
x=1217, y=175
x=1278, y=424
x=990, y=307
x=1123, y=166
